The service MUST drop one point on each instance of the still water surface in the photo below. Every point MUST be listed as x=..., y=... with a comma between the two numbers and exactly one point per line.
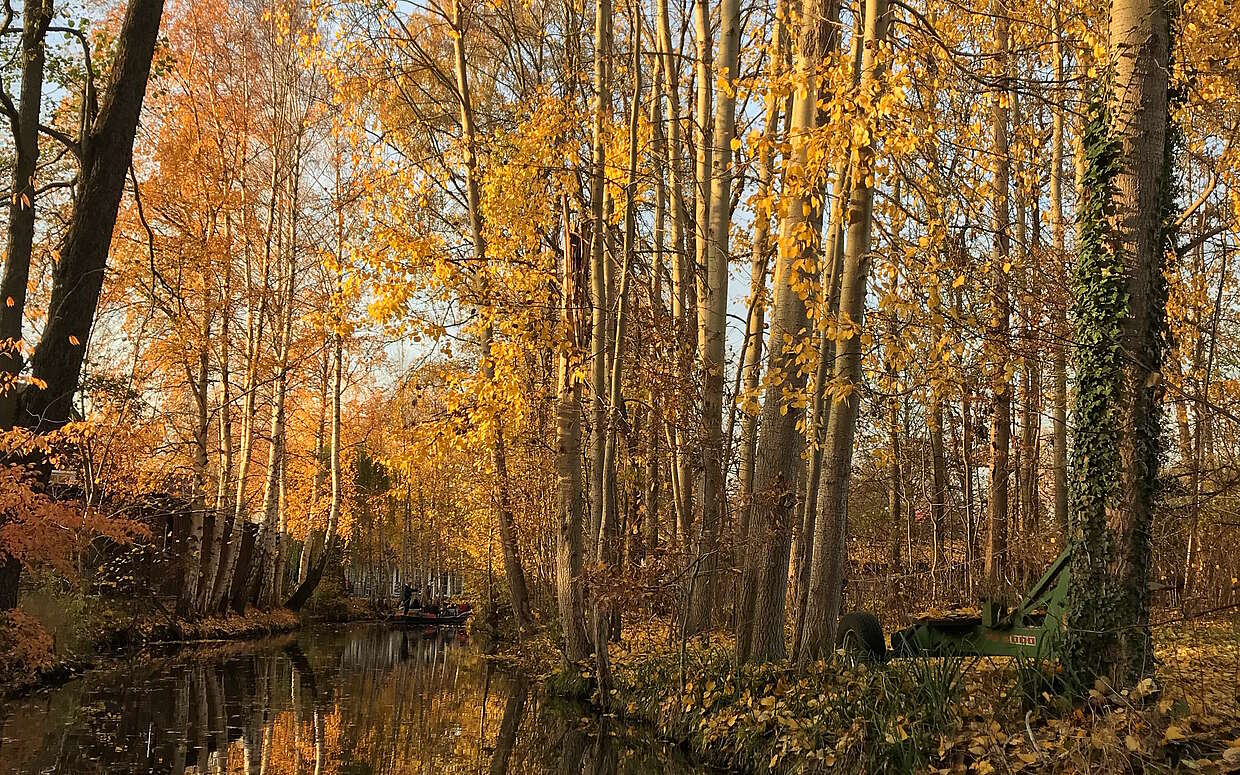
x=360, y=700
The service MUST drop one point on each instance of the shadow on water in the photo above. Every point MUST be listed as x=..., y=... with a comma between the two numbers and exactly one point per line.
x=362, y=700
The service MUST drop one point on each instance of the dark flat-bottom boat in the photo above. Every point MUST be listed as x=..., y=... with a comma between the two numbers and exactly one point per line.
x=428, y=619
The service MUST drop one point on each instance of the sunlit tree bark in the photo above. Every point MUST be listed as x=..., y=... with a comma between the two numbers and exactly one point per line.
x=760, y=623
x=826, y=578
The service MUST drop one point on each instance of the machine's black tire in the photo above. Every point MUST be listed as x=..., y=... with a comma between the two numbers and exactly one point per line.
x=861, y=637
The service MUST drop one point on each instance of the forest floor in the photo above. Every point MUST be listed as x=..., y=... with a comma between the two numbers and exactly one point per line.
x=930, y=715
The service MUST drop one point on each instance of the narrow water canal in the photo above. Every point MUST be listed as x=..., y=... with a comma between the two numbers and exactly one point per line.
x=360, y=700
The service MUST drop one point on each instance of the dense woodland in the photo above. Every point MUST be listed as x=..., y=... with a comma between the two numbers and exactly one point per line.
x=738, y=315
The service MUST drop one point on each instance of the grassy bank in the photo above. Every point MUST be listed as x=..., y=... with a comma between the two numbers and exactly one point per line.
x=52, y=637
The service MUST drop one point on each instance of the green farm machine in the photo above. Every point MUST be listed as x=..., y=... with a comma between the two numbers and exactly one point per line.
x=1031, y=629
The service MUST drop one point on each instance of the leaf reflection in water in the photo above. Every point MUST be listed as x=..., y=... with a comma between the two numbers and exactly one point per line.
x=347, y=701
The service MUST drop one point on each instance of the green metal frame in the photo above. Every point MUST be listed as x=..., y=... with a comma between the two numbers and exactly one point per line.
x=1032, y=629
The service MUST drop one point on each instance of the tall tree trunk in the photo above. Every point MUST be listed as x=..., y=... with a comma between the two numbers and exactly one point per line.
x=306, y=588
x=713, y=301
x=570, y=592
x=187, y=598
x=267, y=565
x=968, y=472
x=938, y=483
x=316, y=484
x=608, y=549
x=222, y=506
x=826, y=578
x=895, y=473
x=601, y=299
x=106, y=149
x=1112, y=511
x=615, y=396
x=24, y=122
x=266, y=545
x=683, y=291
x=755, y=325
x=1203, y=435
x=760, y=623
x=1059, y=308
x=256, y=316
x=650, y=524
x=514, y=572
x=36, y=16
x=999, y=334
x=820, y=409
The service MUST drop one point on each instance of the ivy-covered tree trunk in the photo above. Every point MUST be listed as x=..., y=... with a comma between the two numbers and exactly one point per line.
x=1120, y=326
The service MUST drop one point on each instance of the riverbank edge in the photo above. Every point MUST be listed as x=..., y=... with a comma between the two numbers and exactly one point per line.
x=141, y=632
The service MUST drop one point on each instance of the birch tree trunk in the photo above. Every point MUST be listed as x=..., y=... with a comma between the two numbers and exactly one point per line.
x=266, y=558
x=320, y=447
x=223, y=507
x=187, y=598
x=304, y=590
x=255, y=323
x=601, y=299
x=268, y=561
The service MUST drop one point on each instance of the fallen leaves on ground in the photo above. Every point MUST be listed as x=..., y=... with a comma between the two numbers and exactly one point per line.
x=921, y=716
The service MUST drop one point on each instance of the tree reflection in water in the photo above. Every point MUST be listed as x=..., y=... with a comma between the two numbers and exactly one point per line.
x=354, y=701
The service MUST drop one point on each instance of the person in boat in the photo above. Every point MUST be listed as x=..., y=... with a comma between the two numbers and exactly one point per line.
x=407, y=598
